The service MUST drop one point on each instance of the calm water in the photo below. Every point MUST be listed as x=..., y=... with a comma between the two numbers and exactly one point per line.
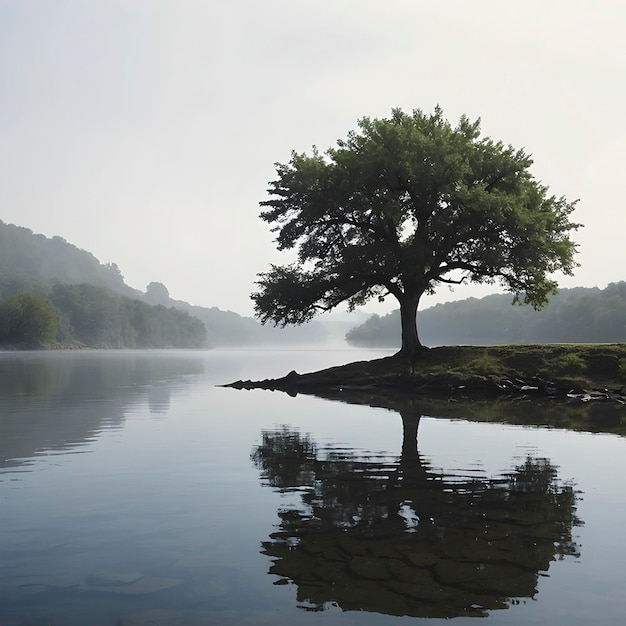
x=134, y=491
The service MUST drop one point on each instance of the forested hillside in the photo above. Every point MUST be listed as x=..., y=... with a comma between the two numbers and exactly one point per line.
x=43, y=278
x=581, y=315
x=95, y=317
x=53, y=293
x=34, y=263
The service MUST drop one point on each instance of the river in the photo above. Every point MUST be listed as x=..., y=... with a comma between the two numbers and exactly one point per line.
x=135, y=490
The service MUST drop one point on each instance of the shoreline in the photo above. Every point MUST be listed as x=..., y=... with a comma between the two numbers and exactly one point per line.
x=582, y=372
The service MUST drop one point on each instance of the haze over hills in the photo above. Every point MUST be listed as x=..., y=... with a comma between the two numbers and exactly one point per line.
x=34, y=263
x=62, y=273
x=578, y=315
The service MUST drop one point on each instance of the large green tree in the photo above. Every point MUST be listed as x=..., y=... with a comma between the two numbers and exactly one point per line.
x=402, y=205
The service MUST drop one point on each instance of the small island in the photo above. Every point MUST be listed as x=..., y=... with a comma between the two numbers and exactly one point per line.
x=407, y=204
x=582, y=372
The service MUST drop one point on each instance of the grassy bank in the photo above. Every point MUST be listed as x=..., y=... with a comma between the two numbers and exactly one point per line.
x=564, y=367
x=552, y=369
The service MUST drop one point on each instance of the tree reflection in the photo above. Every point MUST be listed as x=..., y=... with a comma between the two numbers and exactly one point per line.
x=399, y=538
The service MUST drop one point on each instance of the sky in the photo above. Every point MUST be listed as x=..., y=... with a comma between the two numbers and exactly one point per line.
x=146, y=131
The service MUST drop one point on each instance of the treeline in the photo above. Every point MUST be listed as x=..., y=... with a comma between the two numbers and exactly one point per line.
x=33, y=263
x=95, y=317
x=579, y=315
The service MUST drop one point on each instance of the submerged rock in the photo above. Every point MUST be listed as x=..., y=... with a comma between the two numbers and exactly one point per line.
x=127, y=583
x=158, y=616
x=112, y=578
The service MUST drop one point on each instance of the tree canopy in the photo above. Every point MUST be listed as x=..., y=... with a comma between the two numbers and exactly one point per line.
x=403, y=205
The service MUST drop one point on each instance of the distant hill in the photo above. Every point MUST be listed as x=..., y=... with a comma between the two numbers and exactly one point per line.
x=579, y=315
x=34, y=263
x=226, y=328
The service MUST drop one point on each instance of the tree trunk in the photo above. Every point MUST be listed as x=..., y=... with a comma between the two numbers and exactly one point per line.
x=414, y=473
x=410, y=423
x=408, y=314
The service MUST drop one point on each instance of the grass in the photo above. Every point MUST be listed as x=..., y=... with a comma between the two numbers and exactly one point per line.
x=577, y=365
x=552, y=367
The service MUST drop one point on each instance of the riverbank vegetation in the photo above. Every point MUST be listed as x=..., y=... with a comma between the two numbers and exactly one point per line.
x=34, y=264
x=95, y=317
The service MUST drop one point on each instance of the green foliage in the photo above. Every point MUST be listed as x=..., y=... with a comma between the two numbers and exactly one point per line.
x=98, y=317
x=27, y=318
x=403, y=205
x=34, y=263
x=486, y=364
x=570, y=363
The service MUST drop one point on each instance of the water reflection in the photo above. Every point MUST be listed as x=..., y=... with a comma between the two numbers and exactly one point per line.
x=58, y=402
x=399, y=537
x=522, y=409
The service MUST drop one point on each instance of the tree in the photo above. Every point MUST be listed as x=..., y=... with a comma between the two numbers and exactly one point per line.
x=28, y=318
x=403, y=205
x=157, y=293
x=100, y=317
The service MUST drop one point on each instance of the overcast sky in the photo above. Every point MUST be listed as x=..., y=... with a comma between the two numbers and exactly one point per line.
x=145, y=131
